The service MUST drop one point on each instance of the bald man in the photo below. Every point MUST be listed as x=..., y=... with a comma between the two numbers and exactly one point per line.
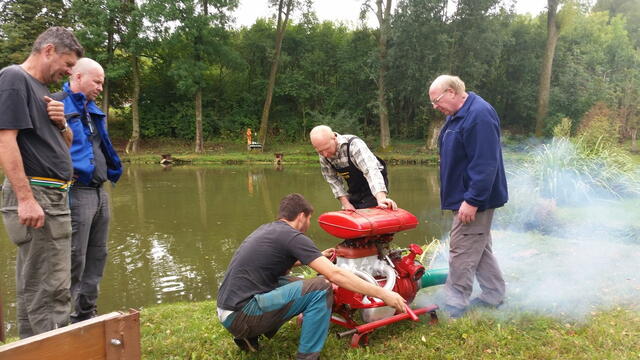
x=94, y=162
x=347, y=159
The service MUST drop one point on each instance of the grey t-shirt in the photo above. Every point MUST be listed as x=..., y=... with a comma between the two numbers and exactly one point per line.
x=265, y=255
x=22, y=108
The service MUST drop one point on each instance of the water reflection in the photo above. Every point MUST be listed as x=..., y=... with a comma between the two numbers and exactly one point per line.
x=174, y=230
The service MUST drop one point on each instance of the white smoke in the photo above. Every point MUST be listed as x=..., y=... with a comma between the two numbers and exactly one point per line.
x=568, y=243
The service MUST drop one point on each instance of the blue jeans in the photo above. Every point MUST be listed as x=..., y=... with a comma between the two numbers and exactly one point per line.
x=266, y=313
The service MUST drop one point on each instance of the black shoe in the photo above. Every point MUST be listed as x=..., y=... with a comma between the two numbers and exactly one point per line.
x=454, y=312
x=271, y=333
x=76, y=318
x=477, y=302
x=248, y=345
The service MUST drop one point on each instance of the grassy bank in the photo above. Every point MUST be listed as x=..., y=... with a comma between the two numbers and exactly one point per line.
x=237, y=153
x=191, y=331
x=226, y=152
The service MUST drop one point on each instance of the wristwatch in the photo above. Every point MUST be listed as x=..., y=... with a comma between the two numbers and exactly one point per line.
x=66, y=126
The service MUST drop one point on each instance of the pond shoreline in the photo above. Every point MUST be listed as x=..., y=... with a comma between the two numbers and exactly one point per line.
x=238, y=159
x=232, y=153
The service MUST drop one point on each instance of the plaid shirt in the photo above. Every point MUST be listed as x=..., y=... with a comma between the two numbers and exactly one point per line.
x=361, y=157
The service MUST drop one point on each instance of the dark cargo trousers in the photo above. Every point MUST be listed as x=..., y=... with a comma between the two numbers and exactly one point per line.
x=471, y=256
x=90, y=223
x=43, y=261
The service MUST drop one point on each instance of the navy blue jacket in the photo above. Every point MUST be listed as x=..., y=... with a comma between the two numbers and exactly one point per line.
x=471, y=166
x=82, y=148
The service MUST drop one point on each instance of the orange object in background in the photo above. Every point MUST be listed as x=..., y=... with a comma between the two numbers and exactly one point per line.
x=248, y=136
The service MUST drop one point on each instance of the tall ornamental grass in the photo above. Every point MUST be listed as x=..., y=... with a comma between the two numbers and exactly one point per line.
x=571, y=172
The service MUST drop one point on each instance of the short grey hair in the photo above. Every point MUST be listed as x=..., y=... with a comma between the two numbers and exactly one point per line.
x=448, y=82
x=62, y=39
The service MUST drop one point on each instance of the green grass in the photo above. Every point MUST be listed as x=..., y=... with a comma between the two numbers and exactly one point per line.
x=192, y=331
x=220, y=152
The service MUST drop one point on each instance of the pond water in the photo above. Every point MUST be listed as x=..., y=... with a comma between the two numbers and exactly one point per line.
x=174, y=230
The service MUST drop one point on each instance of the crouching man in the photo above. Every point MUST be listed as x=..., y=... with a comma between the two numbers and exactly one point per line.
x=256, y=297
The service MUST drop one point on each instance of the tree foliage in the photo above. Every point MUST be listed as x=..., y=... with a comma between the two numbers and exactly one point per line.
x=20, y=23
x=193, y=75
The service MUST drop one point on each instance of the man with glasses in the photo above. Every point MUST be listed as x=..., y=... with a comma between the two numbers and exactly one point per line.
x=347, y=159
x=472, y=185
x=94, y=162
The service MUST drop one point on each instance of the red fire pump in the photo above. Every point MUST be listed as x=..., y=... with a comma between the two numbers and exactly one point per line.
x=365, y=251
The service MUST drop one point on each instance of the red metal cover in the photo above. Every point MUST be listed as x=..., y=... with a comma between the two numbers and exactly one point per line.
x=366, y=222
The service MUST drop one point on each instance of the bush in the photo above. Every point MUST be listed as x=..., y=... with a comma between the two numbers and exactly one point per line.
x=563, y=129
x=600, y=125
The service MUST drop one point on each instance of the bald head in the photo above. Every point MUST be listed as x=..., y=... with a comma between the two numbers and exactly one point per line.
x=443, y=82
x=87, y=77
x=447, y=94
x=324, y=140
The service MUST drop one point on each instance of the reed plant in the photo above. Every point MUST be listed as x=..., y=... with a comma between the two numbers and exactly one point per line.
x=566, y=172
x=571, y=171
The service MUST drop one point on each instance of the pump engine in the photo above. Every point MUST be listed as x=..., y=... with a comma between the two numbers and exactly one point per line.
x=365, y=251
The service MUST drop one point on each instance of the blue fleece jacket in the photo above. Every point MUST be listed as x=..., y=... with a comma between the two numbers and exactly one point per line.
x=81, y=147
x=471, y=166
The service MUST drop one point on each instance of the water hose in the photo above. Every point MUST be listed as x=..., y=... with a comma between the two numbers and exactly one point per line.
x=434, y=277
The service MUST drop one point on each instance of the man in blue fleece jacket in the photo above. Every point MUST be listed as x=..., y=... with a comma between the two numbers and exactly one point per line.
x=472, y=185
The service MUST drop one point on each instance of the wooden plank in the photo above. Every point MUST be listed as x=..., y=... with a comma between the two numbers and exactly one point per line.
x=122, y=337
x=84, y=340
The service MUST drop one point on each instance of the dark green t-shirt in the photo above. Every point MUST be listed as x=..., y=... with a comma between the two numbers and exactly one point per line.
x=22, y=108
x=265, y=255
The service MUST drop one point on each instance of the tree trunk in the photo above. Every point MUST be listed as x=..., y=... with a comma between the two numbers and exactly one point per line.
x=2, y=336
x=199, y=148
x=634, y=140
x=435, y=127
x=547, y=64
x=383, y=13
x=199, y=142
x=132, y=145
x=106, y=89
x=287, y=7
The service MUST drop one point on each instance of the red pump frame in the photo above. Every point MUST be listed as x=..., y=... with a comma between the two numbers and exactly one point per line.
x=365, y=227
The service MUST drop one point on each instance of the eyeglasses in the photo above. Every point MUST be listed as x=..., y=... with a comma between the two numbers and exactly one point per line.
x=436, y=100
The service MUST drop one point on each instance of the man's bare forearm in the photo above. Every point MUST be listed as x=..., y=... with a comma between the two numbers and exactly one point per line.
x=11, y=161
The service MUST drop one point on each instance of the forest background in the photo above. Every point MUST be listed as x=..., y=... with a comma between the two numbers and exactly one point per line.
x=181, y=68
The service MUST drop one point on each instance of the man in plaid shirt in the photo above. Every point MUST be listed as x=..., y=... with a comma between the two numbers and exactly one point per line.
x=347, y=159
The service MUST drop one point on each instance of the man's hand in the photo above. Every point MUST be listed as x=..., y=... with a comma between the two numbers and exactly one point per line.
x=394, y=300
x=467, y=213
x=346, y=205
x=384, y=202
x=30, y=213
x=388, y=203
x=56, y=112
x=328, y=253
